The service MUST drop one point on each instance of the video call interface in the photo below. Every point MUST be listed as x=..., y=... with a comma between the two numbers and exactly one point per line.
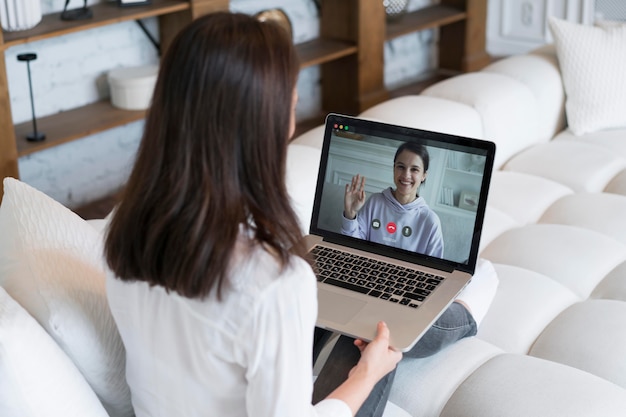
x=451, y=190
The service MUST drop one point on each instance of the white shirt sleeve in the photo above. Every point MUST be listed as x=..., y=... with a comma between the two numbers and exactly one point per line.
x=278, y=347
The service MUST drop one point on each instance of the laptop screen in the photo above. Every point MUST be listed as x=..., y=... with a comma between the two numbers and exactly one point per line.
x=423, y=193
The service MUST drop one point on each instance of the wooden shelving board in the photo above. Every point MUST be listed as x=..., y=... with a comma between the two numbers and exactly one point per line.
x=72, y=125
x=319, y=51
x=426, y=18
x=104, y=14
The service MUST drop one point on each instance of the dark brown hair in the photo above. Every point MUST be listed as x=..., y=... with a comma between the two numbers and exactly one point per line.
x=417, y=149
x=212, y=158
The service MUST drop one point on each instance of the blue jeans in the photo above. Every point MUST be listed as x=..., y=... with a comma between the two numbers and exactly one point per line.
x=454, y=324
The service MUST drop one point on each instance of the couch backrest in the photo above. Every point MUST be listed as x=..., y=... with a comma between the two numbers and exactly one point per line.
x=520, y=100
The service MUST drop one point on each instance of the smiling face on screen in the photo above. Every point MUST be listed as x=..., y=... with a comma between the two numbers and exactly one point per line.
x=408, y=174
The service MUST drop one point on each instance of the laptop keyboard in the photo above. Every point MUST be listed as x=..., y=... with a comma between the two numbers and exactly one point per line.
x=379, y=279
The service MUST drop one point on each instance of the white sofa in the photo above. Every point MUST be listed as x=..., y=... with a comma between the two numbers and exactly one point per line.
x=553, y=342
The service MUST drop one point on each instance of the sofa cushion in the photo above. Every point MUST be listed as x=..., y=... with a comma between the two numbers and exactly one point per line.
x=577, y=258
x=578, y=165
x=593, y=67
x=618, y=184
x=510, y=120
x=429, y=113
x=613, y=286
x=496, y=222
x=590, y=336
x=522, y=196
x=520, y=385
x=526, y=302
x=51, y=263
x=540, y=73
x=613, y=140
x=313, y=137
x=303, y=163
x=602, y=212
x=26, y=350
x=423, y=386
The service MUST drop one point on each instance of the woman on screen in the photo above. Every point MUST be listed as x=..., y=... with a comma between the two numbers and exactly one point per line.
x=396, y=217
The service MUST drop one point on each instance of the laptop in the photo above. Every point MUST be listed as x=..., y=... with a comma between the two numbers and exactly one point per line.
x=404, y=270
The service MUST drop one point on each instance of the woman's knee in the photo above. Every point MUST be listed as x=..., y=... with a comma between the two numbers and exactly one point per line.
x=453, y=325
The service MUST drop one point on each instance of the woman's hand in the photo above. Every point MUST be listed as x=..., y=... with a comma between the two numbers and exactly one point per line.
x=377, y=360
x=354, y=197
x=377, y=357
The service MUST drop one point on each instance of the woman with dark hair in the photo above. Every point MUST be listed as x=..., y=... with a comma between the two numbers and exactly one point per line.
x=214, y=303
x=396, y=217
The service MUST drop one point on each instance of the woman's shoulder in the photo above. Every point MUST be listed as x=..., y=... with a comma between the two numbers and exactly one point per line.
x=432, y=216
x=382, y=197
x=256, y=268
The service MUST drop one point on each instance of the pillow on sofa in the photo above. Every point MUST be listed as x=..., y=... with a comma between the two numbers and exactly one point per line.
x=593, y=64
x=51, y=263
x=36, y=377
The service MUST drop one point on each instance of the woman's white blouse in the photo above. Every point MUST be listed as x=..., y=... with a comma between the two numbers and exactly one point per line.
x=249, y=354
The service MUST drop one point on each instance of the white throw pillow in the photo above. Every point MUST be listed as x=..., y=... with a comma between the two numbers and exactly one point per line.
x=51, y=262
x=593, y=66
x=36, y=378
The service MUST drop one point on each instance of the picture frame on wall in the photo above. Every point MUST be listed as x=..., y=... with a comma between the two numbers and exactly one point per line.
x=468, y=201
x=124, y=3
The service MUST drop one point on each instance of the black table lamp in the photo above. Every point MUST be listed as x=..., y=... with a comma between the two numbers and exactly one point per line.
x=35, y=136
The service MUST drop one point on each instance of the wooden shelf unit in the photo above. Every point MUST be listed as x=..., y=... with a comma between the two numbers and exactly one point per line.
x=350, y=52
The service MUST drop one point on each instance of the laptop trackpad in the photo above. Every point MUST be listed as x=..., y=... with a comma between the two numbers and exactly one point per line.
x=336, y=307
